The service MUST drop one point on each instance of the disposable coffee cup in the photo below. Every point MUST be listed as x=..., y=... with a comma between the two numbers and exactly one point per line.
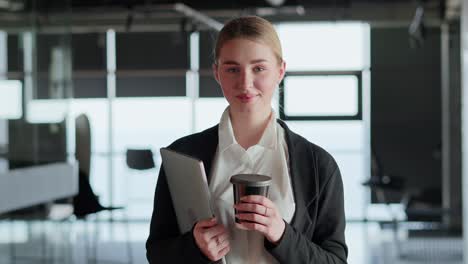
x=249, y=184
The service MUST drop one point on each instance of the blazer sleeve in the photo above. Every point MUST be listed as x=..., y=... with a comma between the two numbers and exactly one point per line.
x=324, y=244
x=165, y=244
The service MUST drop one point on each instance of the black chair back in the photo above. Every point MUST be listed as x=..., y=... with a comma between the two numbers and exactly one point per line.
x=140, y=159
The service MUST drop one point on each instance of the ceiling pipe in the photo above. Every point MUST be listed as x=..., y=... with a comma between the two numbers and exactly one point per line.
x=198, y=16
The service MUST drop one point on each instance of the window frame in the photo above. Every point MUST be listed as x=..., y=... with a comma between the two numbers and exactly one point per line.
x=282, y=91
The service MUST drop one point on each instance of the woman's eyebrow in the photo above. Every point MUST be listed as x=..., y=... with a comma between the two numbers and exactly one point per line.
x=257, y=61
x=230, y=62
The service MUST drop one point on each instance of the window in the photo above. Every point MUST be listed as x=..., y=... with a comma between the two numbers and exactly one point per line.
x=325, y=46
x=321, y=97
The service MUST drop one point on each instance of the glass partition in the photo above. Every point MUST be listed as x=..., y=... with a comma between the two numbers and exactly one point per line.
x=40, y=59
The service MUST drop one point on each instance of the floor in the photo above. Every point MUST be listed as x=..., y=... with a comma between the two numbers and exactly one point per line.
x=72, y=242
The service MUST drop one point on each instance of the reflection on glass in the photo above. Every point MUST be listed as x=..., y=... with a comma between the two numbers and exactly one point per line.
x=11, y=97
x=321, y=95
x=47, y=93
x=48, y=71
x=59, y=72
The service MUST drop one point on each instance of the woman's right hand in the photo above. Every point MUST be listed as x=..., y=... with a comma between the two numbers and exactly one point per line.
x=212, y=238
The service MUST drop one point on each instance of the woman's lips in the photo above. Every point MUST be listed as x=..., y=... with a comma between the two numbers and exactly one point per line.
x=246, y=97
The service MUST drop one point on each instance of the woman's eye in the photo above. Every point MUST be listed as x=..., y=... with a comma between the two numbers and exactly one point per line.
x=259, y=69
x=231, y=70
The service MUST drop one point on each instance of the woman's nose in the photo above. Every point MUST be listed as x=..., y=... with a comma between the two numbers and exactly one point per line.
x=246, y=80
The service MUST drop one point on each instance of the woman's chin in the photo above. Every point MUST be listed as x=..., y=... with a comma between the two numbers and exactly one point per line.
x=250, y=108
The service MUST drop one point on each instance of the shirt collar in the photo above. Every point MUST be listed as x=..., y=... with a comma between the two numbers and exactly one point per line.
x=227, y=138
x=226, y=133
x=269, y=139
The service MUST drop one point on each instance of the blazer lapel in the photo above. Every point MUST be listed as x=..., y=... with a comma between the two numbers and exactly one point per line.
x=302, y=173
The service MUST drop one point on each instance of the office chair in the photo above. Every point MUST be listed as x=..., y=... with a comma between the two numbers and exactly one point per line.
x=86, y=202
x=417, y=207
x=140, y=159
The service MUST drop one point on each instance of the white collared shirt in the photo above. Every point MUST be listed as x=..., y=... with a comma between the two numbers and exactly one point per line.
x=268, y=157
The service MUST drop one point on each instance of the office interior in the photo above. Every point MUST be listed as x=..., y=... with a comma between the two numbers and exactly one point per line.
x=91, y=90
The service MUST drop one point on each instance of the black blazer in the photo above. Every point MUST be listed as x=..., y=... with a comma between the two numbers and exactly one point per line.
x=316, y=232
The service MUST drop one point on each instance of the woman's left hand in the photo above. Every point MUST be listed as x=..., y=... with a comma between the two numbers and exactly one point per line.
x=260, y=213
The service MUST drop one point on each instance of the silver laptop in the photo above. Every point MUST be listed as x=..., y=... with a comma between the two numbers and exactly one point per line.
x=188, y=187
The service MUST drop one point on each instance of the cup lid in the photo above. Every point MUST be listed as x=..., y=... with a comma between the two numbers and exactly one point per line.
x=256, y=180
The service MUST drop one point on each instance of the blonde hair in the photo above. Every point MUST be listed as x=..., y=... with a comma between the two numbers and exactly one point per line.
x=252, y=28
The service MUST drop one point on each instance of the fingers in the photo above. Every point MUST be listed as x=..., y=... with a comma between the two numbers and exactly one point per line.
x=215, y=249
x=220, y=243
x=212, y=239
x=272, y=233
x=263, y=220
x=222, y=238
x=252, y=226
x=223, y=252
x=206, y=223
x=258, y=199
x=208, y=233
x=254, y=215
x=223, y=243
x=209, y=228
x=255, y=208
x=214, y=231
x=259, y=213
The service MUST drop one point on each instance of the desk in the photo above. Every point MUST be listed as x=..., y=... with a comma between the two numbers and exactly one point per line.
x=20, y=188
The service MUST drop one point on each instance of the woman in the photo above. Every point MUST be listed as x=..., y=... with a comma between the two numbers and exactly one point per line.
x=303, y=219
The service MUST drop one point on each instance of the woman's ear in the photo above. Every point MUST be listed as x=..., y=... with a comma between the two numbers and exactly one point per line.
x=214, y=66
x=282, y=71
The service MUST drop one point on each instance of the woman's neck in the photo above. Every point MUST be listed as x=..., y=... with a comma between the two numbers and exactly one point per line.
x=249, y=127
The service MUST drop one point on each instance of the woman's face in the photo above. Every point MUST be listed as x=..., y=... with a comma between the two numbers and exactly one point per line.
x=248, y=73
